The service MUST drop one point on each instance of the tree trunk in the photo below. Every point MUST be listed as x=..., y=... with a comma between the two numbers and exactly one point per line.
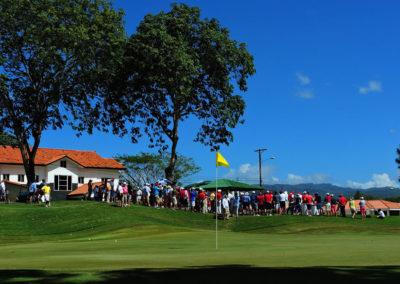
x=169, y=171
x=28, y=156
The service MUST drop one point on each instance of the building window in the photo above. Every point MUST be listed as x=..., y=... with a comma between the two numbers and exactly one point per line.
x=81, y=180
x=63, y=164
x=36, y=178
x=6, y=176
x=63, y=183
x=21, y=178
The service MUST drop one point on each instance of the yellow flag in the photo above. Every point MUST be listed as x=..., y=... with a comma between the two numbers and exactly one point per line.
x=221, y=162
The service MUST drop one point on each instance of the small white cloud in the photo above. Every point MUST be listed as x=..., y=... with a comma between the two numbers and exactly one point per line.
x=393, y=131
x=250, y=174
x=315, y=178
x=378, y=180
x=306, y=94
x=303, y=79
x=373, y=86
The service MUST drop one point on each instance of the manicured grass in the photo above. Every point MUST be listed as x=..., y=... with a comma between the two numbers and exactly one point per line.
x=87, y=241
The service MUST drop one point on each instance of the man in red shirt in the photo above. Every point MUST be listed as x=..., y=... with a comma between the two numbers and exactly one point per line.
x=260, y=202
x=328, y=204
x=219, y=198
x=203, y=201
x=309, y=200
x=268, y=202
x=304, y=203
x=342, y=203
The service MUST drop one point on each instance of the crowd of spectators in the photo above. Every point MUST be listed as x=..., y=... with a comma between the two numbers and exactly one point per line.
x=228, y=203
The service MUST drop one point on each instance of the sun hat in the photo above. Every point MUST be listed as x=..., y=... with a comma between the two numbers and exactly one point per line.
x=362, y=197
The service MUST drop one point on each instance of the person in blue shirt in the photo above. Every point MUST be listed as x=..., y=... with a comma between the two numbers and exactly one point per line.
x=156, y=192
x=236, y=203
x=192, y=199
x=246, y=203
x=32, y=191
x=254, y=205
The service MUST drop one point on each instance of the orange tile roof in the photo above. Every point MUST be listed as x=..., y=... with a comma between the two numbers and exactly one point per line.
x=375, y=204
x=16, y=183
x=45, y=156
x=83, y=189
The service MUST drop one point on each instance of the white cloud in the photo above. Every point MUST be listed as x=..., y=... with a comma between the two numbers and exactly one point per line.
x=250, y=174
x=315, y=178
x=303, y=79
x=306, y=94
x=393, y=131
x=373, y=86
x=378, y=180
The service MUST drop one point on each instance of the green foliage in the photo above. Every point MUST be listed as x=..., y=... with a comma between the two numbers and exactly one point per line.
x=393, y=199
x=55, y=60
x=357, y=195
x=149, y=167
x=180, y=66
x=7, y=139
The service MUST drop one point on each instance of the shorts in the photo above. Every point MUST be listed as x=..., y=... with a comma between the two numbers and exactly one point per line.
x=255, y=206
x=328, y=206
x=30, y=193
x=268, y=206
x=319, y=206
x=47, y=197
x=138, y=198
x=277, y=206
x=308, y=206
x=352, y=210
x=282, y=204
x=362, y=210
x=193, y=203
x=246, y=205
x=334, y=208
x=174, y=200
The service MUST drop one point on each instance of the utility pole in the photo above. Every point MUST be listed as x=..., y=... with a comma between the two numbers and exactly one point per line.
x=259, y=162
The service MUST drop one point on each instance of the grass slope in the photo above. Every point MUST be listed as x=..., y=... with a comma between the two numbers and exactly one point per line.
x=86, y=241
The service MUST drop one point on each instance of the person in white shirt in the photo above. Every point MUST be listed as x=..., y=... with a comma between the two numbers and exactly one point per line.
x=381, y=215
x=139, y=196
x=282, y=202
x=225, y=205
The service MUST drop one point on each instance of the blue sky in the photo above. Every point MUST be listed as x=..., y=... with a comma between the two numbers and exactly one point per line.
x=323, y=100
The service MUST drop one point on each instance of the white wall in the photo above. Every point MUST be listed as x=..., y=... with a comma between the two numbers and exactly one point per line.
x=48, y=172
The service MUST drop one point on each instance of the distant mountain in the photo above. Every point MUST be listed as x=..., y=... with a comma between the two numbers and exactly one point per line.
x=323, y=188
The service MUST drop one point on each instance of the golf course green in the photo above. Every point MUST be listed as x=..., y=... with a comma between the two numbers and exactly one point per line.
x=90, y=242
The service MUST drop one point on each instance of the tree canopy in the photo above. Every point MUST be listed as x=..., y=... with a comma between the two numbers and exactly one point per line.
x=56, y=58
x=149, y=167
x=177, y=66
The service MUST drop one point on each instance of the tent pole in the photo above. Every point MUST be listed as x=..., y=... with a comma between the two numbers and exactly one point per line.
x=216, y=208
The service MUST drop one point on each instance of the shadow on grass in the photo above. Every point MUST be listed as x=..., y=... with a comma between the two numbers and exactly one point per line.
x=222, y=274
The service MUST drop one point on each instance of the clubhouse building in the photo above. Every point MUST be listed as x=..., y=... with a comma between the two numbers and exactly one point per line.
x=64, y=170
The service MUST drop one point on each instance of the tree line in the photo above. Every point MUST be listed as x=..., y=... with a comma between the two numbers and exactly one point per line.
x=71, y=62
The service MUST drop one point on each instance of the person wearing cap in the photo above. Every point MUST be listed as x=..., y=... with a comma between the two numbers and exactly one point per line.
x=342, y=203
x=309, y=202
x=353, y=210
x=260, y=203
x=192, y=199
x=203, y=201
x=246, y=203
x=268, y=198
x=138, y=196
x=282, y=203
x=328, y=206
x=362, y=208
x=298, y=202
x=46, y=189
x=291, y=199
x=219, y=201
x=254, y=205
x=334, y=206
x=124, y=202
x=304, y=203
x=225, y=206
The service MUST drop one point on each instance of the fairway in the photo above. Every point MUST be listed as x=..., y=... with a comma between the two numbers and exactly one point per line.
x=84, y=240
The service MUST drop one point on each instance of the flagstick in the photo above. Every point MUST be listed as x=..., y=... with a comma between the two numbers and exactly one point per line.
x=216, y=208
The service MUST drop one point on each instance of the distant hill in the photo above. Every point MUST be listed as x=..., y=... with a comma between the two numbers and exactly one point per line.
x=323, y=188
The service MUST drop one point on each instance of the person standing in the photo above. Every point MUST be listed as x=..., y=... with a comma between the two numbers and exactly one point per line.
x=203, y=201
x=362, y=208
x=90, y=190
x=342, y=203
x=334, y=205
x=32, y=191
x=192, y=199
x=46, y=190
x=353, y=207
x=309, y=201
x=124, y=195
x=219, y=202
x=282, y=203
x=225, y=205
x=328, y=206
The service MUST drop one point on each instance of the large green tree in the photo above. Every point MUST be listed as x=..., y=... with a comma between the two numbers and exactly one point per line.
x=56, y=57
x=177, y=66
x=149, y=167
